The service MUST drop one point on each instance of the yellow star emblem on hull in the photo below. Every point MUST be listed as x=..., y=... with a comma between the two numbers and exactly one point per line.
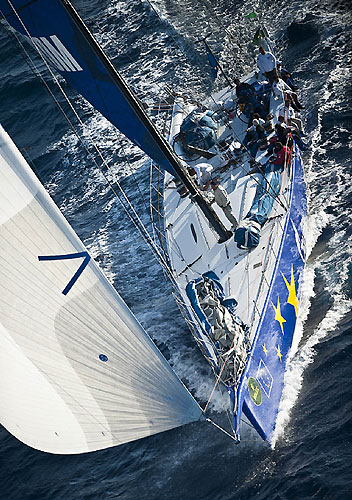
x=292, y=297
x=278, y=316
x=278, y=352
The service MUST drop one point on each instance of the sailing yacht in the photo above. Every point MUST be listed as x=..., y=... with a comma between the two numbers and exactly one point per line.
x=73, y=354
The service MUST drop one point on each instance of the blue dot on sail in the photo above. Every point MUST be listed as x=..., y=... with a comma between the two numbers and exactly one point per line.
x=103, y=357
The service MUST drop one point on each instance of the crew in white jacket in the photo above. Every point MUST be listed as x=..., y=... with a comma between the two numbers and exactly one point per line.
x=203, y=173
x=266, y=62
x=282, y=90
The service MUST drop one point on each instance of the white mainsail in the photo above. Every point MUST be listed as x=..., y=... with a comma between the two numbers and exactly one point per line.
x=77, y=371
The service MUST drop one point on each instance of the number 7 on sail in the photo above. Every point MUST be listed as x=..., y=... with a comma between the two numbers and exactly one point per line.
x=70, y=256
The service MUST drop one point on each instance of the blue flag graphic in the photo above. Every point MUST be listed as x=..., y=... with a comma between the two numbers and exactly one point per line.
x=213, y=62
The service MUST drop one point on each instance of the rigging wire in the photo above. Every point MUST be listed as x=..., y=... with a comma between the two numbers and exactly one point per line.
x=134, y=217
x=209, y=7
x=222, y=430
x=171, y=35
x=220, y=373
x=137, y=221
x=166, y=104
x=155, y=82
x=160, y=253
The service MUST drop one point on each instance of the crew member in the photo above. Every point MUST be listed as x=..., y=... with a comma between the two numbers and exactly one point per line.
x=254, y=134
x=203, y=173
x=282, y=157
x=243, y=89
x=221, y=198
x=281, y=89
x=289, y=130
x=266, y=62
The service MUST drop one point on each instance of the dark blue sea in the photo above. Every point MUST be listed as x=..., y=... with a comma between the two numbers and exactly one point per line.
x=312, y=457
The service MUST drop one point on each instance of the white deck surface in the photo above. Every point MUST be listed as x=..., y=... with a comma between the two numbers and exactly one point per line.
x=245, y=275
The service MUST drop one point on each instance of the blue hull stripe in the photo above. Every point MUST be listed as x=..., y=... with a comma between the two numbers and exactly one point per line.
x=261, y=386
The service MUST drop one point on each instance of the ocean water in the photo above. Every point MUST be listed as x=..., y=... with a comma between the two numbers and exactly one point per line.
x=312, y=456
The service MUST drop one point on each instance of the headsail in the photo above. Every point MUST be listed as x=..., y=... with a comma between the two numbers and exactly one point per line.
x=78, y=373
x=64, y=41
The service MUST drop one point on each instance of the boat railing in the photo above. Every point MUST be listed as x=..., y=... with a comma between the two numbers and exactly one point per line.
x=156, y=184
x=262, y=279
x=270, y=250
x=195, y=326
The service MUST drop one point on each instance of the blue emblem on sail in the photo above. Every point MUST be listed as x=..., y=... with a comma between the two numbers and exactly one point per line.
x=63, y=40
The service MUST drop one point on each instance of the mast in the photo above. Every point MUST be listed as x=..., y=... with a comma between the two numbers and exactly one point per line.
x=164, y=146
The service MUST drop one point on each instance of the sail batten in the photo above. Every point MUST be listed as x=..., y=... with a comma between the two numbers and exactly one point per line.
x=81, y=374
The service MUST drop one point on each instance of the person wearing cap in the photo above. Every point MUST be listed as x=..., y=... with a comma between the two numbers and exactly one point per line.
x=266, y=63
x=254, y=133
x=256, y=122
x=222, y=199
